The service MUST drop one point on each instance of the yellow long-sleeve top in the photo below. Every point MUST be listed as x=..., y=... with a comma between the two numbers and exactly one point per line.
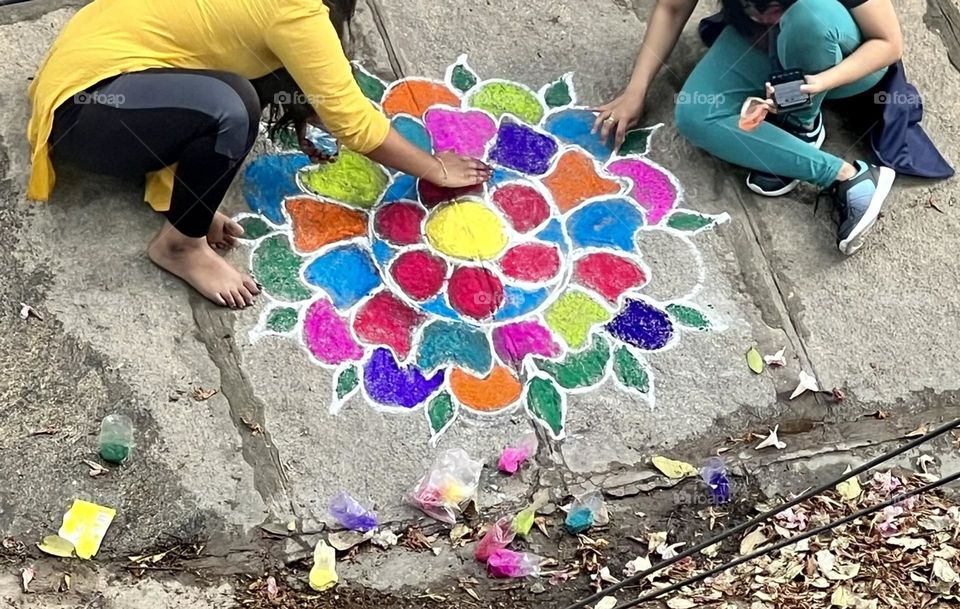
x=251, y=38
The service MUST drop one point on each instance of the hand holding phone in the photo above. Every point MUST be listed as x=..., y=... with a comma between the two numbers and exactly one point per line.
x=786, y=91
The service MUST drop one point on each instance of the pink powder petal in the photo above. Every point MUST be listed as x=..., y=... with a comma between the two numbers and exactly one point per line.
x=328, y=336
x=465, y=133
x=652, y=189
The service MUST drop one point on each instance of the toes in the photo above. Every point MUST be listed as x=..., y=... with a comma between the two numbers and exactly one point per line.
x=229, y=242
x=220, y=300
x=247, y=296
x=232, y=228
x=228, y=297
x=237, y=298
x=252, y=286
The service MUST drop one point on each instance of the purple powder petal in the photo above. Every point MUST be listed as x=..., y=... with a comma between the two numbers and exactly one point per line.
x=391, y=384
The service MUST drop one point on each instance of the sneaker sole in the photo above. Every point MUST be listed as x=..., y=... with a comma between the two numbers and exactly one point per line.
x=792, y=185
x=854, y=241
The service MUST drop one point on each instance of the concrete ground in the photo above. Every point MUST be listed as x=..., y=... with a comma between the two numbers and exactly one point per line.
x=118, y=335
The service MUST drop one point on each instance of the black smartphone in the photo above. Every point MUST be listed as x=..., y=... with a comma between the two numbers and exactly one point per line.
x=786, y=91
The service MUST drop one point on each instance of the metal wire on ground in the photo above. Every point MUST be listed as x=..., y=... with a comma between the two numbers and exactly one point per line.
x=765, y=516
x=787, y=542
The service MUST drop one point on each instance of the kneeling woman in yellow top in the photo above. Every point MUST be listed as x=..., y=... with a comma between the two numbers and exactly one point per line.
x=175, y=89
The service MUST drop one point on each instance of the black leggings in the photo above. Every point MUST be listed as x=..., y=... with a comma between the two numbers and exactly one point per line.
x=203, y=120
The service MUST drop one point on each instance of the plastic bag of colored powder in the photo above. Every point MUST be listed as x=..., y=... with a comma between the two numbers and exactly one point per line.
x=753, y=112
x=497, y=538
x=351, y=515
x=514, y=457
x=451, y=482
x=510, y=564
x=714, y=473
x=323, y=574
x=587, y=511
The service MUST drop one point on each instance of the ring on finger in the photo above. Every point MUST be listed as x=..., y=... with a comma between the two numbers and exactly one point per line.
x=609, y=119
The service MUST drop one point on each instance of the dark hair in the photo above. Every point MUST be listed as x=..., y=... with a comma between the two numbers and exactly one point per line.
x=279, y=86
x=735, y=14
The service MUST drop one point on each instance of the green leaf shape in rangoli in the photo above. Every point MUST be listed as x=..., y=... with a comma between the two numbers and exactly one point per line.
x=689, y=221
x=441, y=411
x=584, y=369
x=347, y=382
x=282, y=320
x=559, y=93
x=462, y=78
x=499, y=98
x=689, y=317
x=547, y=405
x=373, y=88
x=630, y=371
x=277, y=268
x=254, y=227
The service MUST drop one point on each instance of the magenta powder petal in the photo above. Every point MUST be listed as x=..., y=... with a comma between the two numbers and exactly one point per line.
x=328, y=336
x=652, y=189
x=466, y=133
x=515, y=341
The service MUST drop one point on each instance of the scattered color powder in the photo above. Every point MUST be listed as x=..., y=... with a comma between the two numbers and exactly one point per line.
x=608, y=274
x=282, y=320
x=328, y=336
x=523, y=206
x=467, y=230
x=419, y=274
x=346, y=274
x=352, y=179
x=466, y=133
x=545, y=404
x=277, y=268
x=575, y=127
x=391, y=384
x=523, y=149
x=387, y=320
x=513, y=342
x=318, y=223
x=268, y=179
x=573, y=315
x=608, y=224
x=495, y=392
x=652, y=188
x=499, y=98
x=583, y=369
x=475, y=292
x=414, y=96
x=575, y=180
x=642, y=325
x=531, y=262
x=399, y=223
x=629, y=371
x=445, y=342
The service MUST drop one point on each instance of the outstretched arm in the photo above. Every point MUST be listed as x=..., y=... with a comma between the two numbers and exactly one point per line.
x=882, y=46
x=663, y=30
x=306, y=43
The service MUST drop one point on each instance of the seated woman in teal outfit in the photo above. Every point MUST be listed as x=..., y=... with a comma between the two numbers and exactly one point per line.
x=843, y=47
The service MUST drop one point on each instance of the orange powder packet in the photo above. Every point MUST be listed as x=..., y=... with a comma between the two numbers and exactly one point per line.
x=753, y=112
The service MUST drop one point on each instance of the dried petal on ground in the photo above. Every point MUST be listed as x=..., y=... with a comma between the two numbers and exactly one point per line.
x=667, y=552
x=27, y=574
x=95, y=468
x=918, y=432
x=675, y=470
x=752, y=541
x=56, y=546
x=850, y=489
x=637, y=565
x=655, y=540
x=755, y=360
x=607, y=602
x=202, y=395
x=772, y=441
x=26, y=311
x=343, y=541
x=272, y=589
x=805, y=383
x=776, y=360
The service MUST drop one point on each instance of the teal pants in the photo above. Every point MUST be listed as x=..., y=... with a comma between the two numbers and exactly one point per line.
x=815, y=35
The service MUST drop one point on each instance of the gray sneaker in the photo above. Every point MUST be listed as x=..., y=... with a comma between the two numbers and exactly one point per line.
x=770, y=185
x=859, y=201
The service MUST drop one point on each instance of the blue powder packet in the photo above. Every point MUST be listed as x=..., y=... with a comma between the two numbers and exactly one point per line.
x=322, y=141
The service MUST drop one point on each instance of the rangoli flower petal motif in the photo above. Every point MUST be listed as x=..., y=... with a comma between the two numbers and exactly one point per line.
x=477, y=301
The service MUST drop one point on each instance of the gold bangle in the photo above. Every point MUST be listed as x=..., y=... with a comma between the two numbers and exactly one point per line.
x=443, y=167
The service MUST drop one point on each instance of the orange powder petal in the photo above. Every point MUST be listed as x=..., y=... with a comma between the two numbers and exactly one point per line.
x=414, y=97
x=317, y=223
x=495, y=392
x=575, y=180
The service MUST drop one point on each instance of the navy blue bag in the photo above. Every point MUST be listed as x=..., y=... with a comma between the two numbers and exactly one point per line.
x=895, y=109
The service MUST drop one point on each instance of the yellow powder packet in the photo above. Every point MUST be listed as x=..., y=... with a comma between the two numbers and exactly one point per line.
x=84, y=525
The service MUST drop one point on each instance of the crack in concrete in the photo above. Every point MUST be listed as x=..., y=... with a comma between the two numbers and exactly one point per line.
x=392, y=55
x=215, y=329
x=943, y=18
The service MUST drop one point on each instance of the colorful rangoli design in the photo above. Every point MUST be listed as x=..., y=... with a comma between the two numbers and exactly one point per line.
x=475, y=301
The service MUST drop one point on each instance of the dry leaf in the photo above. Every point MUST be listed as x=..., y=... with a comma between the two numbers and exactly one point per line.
x=459, y=531
x=667, y=552
x=944, y=572
x=343, y=541
x=924, y=461
x=843, y=598
x=918, y=432
x=755, y=360
x=711, y=551
x=772, y=441
x=49, y=430
x=640, y=564
x=850, y=489
x=607, y=602
x=26, y=576
x=681, y=603
x=472, y=593
x=95, y=468
x=253, y=426
x=67, y=582
x=607, y=577
x=655, y=540
x=908, y=543
x=776, y=360
x=752, y=541
x=272, y=588
x=26, y=311
x=202, y=395
x=804, y=384
x=881, y=415
x=675, y=470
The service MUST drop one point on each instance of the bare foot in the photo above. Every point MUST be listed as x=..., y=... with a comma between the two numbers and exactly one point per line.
x=224, y=232
x=193, y=261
